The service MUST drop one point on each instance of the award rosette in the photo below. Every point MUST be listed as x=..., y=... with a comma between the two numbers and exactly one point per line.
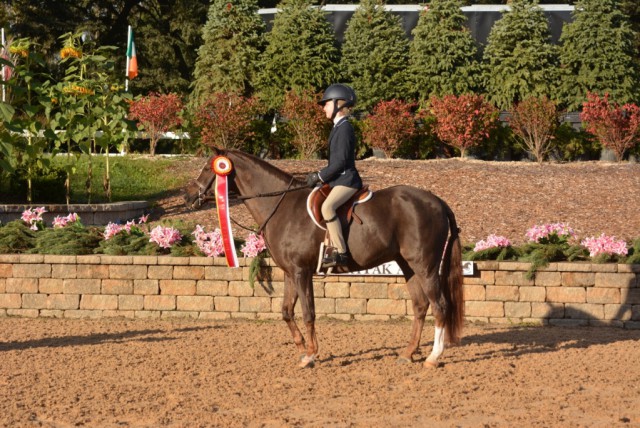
x=222, y=167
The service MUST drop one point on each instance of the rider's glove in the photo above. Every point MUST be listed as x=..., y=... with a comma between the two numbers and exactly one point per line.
x=312, y=179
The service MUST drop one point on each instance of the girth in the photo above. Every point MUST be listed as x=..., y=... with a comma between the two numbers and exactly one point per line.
x=345, y=212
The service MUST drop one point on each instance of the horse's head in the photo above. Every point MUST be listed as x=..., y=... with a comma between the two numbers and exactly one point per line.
x=198, y=191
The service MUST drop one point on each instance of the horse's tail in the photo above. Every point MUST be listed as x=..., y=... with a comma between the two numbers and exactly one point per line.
x=451, y=280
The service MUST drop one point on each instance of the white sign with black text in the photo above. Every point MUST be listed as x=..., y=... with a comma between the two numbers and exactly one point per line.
x=392, y=269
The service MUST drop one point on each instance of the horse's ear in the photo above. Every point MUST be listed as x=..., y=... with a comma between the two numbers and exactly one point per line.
x=219, y=151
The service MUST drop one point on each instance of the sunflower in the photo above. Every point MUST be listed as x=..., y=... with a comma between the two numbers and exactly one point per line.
x=70, y=52
x=19, y=50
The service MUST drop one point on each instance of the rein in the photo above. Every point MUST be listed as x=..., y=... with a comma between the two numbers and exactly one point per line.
x=202, y=197
x=276, y=193
x=282, y=194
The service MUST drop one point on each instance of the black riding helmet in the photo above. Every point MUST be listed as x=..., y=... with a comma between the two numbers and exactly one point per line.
x=336, y=92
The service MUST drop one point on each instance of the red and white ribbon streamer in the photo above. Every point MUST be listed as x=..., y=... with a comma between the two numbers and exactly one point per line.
x=222, y=167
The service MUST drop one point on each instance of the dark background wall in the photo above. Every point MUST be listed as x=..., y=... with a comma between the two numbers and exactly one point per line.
x=480, y=18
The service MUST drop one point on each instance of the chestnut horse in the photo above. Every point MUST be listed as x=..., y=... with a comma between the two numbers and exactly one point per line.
x=406, y=224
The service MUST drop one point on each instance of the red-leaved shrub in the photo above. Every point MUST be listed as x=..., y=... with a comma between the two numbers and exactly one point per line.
x=616, y=127
x=391, y=124
x=225, y=119
x=534, y=120
x=463, y=121
x=157, y=114
x=307, y=121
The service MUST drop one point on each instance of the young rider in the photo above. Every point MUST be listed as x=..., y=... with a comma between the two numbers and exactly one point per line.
x=340, y=173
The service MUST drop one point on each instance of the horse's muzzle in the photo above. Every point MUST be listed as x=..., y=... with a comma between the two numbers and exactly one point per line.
x=192, y=201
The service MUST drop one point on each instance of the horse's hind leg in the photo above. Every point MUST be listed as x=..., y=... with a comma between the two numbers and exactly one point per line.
x=432, y=290
x=438, y=347
x=420, y=307
x=288, y=305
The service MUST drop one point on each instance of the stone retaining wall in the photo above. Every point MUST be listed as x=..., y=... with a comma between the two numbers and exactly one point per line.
x=99, y=286
x=90, y=214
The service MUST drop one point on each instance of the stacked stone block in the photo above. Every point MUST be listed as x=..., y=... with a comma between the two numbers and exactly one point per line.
x=99, y=286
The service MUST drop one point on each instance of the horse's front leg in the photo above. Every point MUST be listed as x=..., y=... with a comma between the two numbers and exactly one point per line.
x=288, y=305
x=304, y=284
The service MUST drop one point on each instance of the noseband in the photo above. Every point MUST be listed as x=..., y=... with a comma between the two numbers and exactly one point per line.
x=202, y=191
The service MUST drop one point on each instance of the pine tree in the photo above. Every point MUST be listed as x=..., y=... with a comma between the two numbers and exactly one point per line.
x=301, y=53
x=374, y=54
x=519, y=60
x=228, y=58
x=167, y=36
x=598, y=54
x=443, y=56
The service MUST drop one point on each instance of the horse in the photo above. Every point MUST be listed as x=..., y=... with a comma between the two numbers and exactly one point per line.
x=405, y=224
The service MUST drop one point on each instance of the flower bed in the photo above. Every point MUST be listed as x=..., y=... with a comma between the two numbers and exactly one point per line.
x=93, y=214
x=129, y=270
x=556, y=242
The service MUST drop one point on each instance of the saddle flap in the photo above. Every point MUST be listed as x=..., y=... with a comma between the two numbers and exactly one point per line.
x=319, y=194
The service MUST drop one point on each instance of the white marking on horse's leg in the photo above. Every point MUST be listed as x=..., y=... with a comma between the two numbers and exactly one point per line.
x=438, y=347
x=307, y=361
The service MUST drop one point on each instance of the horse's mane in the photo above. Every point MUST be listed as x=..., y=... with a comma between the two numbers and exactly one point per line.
x=271, y=169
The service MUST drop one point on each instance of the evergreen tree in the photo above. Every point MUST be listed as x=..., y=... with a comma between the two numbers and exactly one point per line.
x=375, y=54
x=443, y=54
x=232, y=43
x=301, y=53
x=598, y=54
x=519, y=60
x=167, y=36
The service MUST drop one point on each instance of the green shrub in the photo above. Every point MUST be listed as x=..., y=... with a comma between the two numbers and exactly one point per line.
x=16, y=237
x=71, y=240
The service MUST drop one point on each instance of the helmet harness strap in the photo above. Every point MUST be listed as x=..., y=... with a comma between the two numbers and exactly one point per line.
x=336, y=109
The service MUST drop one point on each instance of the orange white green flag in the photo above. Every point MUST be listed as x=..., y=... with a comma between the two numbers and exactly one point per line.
x=132, y=60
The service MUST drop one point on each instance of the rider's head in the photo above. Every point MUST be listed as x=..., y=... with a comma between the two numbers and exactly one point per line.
x=341, y=96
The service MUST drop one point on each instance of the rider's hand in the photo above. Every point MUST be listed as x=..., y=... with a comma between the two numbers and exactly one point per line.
x=312, y=179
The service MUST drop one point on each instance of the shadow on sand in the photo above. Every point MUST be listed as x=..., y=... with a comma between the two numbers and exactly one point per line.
x=149, y=335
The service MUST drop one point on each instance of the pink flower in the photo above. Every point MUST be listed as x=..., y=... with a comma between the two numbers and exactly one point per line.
x=143, y=219
x=492, y=241
x=129, y=225
x=165, y=237
x=539, y=232
x=33, y=217
x=604, y=245
x=209, y=243
x=111, y=230
x=59, y=222
x=73, y=217
x=253, y=246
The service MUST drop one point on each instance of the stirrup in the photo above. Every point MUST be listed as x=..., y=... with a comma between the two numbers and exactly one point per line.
x=335, y=259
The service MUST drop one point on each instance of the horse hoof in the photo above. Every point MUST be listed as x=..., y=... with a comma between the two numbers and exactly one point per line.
x=431, y=364
x=403, y=360
x=307, y=361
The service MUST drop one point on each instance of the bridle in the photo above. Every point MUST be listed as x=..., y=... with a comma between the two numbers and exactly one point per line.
x=202, y=198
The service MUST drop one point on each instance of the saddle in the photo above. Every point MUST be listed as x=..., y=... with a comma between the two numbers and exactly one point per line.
x=345, y=212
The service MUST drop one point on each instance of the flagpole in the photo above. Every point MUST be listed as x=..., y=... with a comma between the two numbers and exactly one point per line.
x=126, y=69
x=4, y=86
